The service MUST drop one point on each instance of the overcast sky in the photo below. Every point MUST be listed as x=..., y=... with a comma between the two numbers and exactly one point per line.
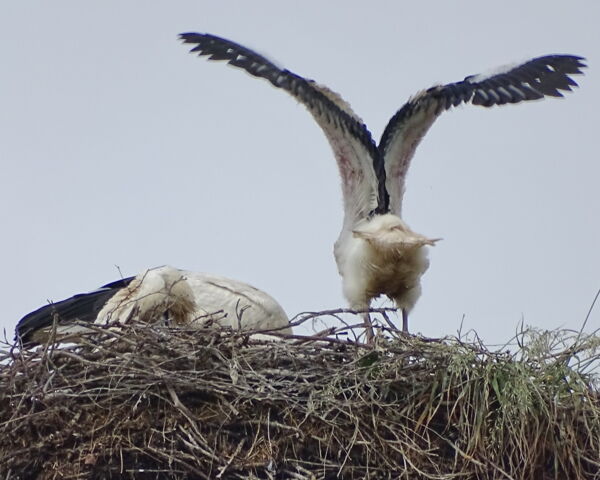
x=118, y=148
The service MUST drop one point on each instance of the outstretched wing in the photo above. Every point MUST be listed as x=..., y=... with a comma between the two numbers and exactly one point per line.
x=35, y=326
x=532, y=80
x=352, y=144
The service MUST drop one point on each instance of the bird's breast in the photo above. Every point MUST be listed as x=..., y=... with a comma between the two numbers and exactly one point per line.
x=368, y=272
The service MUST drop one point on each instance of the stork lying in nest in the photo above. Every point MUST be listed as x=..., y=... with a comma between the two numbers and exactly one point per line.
x=176, y=296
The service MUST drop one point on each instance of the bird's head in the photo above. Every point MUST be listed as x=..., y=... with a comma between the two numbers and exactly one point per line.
x=389, y=232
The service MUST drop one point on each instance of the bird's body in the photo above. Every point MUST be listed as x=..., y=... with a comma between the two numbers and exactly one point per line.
x=376, y=252
x=179, y=297
x=381, y=256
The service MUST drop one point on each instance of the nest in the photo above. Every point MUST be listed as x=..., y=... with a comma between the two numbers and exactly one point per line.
x=152, y=402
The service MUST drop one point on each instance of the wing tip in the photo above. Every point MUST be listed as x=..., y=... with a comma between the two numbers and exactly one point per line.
x=190, y=37
x=31, y=322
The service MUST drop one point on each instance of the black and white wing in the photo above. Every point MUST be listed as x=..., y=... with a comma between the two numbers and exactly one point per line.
x=82, y=308
x=532, y=80
x=352, y=144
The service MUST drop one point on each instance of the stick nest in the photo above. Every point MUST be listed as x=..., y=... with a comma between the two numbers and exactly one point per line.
x=150, y=402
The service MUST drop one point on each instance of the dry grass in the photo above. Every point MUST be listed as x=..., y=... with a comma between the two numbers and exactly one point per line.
x=155, y=402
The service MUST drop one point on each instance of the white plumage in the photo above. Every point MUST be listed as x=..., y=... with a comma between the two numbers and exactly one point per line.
x=376, y=252
x=178, y=297
x=196, y=299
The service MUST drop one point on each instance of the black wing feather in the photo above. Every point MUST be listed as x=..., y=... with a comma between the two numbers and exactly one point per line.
x=532, y=80
x=217, y=48
x=83, y=307
x=305, y=91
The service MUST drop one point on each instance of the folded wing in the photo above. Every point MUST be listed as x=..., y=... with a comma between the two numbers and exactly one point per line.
x=35, y=327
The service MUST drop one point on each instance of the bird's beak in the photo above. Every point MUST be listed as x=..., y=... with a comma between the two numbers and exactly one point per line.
x=420, y=241
x=432, y=241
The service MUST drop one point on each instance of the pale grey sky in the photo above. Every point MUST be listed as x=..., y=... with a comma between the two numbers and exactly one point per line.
x=117, y=147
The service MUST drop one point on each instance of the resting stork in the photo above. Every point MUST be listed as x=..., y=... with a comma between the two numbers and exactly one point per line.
x=177, y=296
x=376, y=252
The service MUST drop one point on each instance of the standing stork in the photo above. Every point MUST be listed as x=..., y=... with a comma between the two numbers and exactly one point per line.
x=177, y=296
x=376, y=252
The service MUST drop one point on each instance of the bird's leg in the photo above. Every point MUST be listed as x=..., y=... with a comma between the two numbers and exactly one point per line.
x=369, y=327
x=404, y=321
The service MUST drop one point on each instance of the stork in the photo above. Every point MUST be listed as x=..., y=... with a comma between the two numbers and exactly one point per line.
x=376, y=252
x=177, y=296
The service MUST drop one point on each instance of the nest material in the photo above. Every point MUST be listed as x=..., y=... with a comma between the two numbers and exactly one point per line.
x=150, y=402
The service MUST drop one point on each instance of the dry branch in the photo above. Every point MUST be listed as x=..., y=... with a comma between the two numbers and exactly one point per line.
x=150, y=402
